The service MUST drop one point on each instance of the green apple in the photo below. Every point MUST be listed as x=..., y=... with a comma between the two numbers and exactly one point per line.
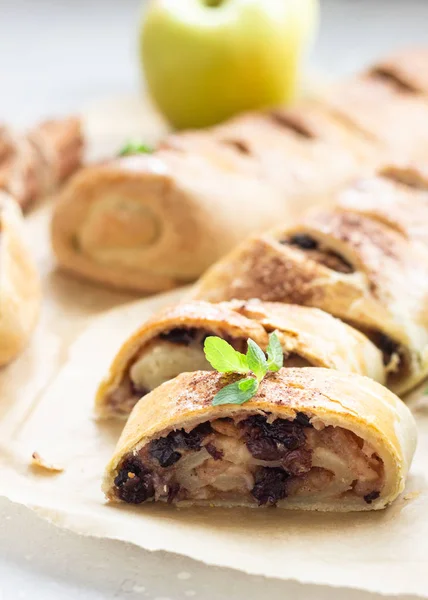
x=206, y=60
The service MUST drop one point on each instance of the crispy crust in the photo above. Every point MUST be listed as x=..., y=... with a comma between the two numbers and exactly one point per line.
x=345, y=400
x=408, y=67
x=20, y=292
x=382, y=109
x=317, y=336
x=387, y=291
x=311, y=333
x=150, y=223
x=218, y=318
x=397, y=197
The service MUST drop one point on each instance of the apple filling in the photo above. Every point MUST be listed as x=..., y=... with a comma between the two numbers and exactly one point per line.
x=319, y=253
x=258, y=460
x=166, y=356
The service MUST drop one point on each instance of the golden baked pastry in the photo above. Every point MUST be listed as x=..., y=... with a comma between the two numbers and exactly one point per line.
x=353, y=267
x=381, y=106
x=311, y=438
x=34, y=164
x=408, y=68
x=19, y=283
x=397, y=197
x=150, y=223
x=171, y=342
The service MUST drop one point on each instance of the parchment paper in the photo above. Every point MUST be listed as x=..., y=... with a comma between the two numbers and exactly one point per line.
x=46, y=406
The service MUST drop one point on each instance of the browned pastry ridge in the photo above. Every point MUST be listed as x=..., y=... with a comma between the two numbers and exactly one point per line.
x=171, y=342
x=149, y=223
x=311, y=438
x=34, y=164
x=397, y=196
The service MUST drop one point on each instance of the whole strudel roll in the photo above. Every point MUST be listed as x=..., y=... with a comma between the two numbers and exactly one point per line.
x=345, y=263
x=311, y=438
x=20, y=293
x=171, y=342
x=149, y=223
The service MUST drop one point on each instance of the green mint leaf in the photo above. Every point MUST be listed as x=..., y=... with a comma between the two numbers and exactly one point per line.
x=256, y=360
x=223, y=358
x=135, y=148
x=236, y=393
x=275, y=353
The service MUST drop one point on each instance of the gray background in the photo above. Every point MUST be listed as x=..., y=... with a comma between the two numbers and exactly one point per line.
x=59, y=56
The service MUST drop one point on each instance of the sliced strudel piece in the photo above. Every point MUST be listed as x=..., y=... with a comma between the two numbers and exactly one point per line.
x=311, y=438
x=354, y=267
x=172, y=341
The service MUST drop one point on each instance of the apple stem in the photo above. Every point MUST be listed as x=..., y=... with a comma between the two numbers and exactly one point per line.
x=213, y=3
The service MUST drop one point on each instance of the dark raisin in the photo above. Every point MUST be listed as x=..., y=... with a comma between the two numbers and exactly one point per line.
x=302, y=419
x=387, y=346
x=163, y=451
x=214, y=452
x=173, y=491
x=288, y=433
x=270, y=485
x=372, y=496
x=180, y=335
x=134, y=483
x=263, y=448
x=192, y=440
x=305, y=242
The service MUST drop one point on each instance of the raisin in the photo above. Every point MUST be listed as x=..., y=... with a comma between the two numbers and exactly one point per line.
x=288, y=433
x=193, y=439
x=214, y=452
x=302, y=419
x=387, y=346
x=134, y=483
x=180, y=335
x=270, y=485
x=305, y=242
x=163, y=451
x=372, y=496
x=263, y=448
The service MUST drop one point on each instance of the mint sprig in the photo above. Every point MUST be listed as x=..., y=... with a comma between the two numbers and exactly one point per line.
x=225, y=359
x=133, y=147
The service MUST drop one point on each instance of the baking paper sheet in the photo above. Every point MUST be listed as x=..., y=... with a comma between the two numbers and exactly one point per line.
x=46, y=402
x=50, y=412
